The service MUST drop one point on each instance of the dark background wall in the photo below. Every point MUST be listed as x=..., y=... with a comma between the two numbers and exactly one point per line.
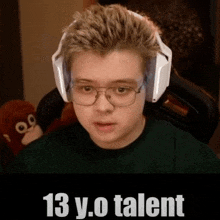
x=11, y=79
x=29, y=34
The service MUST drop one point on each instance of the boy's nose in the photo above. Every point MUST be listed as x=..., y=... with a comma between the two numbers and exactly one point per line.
x=102, y=104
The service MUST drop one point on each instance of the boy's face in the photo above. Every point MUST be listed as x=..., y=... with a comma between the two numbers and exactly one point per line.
x=110, y=126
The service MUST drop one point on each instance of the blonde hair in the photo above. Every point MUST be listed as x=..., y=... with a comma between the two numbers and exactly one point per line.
x=103, y=29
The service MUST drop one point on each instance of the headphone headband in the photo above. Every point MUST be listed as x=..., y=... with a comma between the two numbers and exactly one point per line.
x=158, y=73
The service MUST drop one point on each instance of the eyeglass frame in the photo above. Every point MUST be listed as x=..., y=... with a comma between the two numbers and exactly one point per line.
x=97, y=92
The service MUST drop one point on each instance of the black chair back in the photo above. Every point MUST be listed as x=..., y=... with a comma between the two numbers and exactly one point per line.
x=188, y=107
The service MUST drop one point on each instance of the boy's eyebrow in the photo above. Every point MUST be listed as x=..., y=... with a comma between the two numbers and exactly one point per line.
x=130, y=81
x=82, y=80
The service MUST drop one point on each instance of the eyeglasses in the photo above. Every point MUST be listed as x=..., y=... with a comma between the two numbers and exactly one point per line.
x=117, y=96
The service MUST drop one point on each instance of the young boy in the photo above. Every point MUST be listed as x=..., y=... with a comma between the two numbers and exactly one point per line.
x=104, y=60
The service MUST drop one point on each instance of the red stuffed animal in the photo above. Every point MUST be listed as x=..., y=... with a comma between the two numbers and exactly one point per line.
x=18, y=125
x=68, y=117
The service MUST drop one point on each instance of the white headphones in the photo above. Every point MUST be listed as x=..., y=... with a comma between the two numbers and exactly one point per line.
x=158, y=74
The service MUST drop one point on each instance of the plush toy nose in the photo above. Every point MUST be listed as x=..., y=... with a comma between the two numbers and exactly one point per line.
x=30, y=129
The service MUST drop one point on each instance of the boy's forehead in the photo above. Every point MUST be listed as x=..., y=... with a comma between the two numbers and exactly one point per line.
x=118, y=66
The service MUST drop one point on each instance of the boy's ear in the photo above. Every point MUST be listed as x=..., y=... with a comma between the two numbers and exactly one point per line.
x=6, y=136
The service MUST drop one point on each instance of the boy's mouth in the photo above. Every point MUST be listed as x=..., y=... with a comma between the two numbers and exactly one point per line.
x=105, y=126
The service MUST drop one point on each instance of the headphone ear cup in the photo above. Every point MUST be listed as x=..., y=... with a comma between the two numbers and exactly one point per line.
x=158, y=77
x=59, y=77
x=150, y=76
x=62, y=78
x=162, y=76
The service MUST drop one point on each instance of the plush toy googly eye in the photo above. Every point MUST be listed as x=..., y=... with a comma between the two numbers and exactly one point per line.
x=21, y=127
x=31, y=120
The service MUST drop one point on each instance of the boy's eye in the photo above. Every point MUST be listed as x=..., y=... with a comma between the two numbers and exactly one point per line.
x=87, y=88
x=84, y=89
x=123, y=90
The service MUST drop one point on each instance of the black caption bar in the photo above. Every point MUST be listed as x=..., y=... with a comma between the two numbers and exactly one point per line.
x=109, y=196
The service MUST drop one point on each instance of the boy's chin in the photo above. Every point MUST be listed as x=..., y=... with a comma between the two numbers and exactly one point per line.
x=108, y=142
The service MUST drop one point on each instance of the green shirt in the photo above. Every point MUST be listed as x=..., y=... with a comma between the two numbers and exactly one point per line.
x=161, y=148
